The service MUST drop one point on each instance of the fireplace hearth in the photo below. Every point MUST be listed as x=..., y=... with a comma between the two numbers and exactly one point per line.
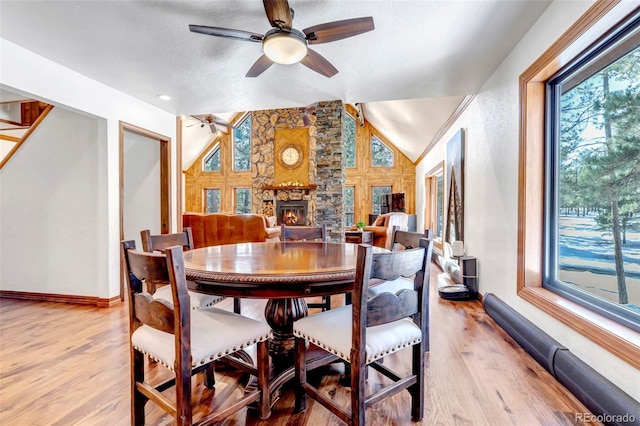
x=292, y=213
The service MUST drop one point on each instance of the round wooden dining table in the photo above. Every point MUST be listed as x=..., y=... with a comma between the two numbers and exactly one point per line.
x=283, y=272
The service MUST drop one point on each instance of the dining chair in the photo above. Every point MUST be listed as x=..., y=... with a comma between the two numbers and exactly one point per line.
x=307, y=233
x=404, y=240
x=303, y=233
x=184, y=340
x=368, y=330
x=160, y=242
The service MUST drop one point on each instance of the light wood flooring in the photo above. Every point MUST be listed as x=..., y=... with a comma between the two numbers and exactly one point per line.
x=64, y=364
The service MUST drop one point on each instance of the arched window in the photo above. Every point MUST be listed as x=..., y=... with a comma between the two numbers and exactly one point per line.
x=211, y=162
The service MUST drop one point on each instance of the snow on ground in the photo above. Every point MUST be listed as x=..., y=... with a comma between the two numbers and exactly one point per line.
x=587, y=259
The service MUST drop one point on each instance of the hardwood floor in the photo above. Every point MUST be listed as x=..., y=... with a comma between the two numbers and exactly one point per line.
x=64, y=364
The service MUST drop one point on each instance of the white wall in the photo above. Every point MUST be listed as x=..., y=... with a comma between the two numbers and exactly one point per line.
x=28, y=74
x=50, y=199
x=141, y=186
x=491, y=188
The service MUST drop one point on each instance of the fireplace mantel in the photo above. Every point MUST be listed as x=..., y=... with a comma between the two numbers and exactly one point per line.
x=288, y=188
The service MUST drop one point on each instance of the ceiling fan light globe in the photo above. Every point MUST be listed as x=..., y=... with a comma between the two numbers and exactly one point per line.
x=284, y=47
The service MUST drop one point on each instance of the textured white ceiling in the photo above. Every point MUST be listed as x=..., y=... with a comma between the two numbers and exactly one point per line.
x=423, y=55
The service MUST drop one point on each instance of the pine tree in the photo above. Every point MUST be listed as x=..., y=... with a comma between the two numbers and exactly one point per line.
x=603, y=173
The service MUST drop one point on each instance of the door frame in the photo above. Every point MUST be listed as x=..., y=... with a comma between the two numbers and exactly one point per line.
x=165, y=182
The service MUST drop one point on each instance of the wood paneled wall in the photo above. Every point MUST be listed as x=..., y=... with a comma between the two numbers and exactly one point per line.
x=227, y=180
x=401, y=177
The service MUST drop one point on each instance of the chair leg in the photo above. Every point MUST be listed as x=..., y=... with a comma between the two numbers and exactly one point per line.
x=417, y=390
x=209, y=376
x=357, y=392
x=300, y=374
x=183, y=395
x=348, y=298
x=262, y=362
x=326, y=303
x=236, y=305
x=138, y=400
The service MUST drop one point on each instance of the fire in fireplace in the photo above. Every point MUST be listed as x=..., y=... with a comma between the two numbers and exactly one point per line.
x=292, y=212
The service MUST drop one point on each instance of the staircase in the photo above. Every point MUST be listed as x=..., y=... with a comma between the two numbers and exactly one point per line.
x=17, y=120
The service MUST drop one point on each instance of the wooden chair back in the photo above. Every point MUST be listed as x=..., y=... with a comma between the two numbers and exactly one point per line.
x=388, y=307
x=381, y=309
x=160, y=242
x=402, y=240
x=157, y=268
x=154, y=268
x=307, y=233
x=303, y=233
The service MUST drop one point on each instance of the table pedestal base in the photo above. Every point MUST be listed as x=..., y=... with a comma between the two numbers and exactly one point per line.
x=280, y=315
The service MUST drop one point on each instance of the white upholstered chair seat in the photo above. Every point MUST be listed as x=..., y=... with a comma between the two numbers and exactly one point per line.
x=215, y=333
x=392, y=287
x=198, y=300
x=331, y=331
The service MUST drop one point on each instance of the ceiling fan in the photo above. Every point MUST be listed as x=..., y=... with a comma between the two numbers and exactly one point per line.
x=283, y=44
x=212, y=121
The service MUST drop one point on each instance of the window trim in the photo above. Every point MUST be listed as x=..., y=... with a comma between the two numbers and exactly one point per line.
x=610, y=335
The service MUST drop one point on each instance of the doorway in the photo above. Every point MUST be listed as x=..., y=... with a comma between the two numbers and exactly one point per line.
x=145, y=191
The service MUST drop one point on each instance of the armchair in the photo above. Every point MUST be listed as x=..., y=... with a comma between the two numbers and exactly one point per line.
x=382, y=228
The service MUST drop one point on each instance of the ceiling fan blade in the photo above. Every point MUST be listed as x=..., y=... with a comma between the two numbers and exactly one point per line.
x=278, y=13
x=259, y=66
x=223, y=124
x=319, y=64
x=226, y=32
x=199, y=120
x=337, y=30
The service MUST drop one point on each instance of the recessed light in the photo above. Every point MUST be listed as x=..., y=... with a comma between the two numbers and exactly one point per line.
x=164, y=97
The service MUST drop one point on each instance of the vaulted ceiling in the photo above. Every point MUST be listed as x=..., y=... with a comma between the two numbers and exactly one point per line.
x=410, y=73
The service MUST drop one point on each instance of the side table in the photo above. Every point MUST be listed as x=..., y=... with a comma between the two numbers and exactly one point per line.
x=358, y=237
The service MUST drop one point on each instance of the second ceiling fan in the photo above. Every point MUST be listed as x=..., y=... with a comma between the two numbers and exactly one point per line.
x=283, y=44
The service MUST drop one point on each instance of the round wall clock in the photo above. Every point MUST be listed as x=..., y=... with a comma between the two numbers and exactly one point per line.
x=291, y=156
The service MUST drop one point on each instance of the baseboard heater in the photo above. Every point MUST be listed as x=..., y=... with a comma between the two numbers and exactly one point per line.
x=599, y=395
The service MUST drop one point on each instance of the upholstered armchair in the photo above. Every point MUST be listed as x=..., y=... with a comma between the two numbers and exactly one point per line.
x=382, y=228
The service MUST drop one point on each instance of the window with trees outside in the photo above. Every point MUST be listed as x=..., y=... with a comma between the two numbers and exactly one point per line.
x=242, y=145
x=349, y=141
x=578, y=150
x=212, y=200
x=376, y=197
x=211, y=162
x=593, y=166
x=349, y=205
x=243, y=200
x=381, y=155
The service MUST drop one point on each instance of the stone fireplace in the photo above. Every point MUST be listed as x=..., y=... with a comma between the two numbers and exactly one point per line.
x=292, y=213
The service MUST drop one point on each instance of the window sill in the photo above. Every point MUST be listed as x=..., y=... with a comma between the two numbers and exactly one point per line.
x=615, y=338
